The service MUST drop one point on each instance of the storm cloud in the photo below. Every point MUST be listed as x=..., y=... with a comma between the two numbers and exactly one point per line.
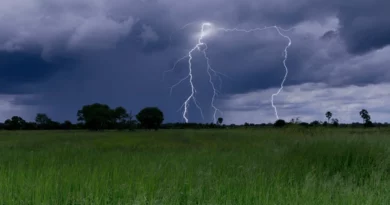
x=58, y=55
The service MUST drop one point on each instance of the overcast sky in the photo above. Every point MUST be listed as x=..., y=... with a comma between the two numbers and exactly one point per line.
x=57, y=55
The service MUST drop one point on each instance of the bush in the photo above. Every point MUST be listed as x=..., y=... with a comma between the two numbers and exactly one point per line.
x=280, y=123
x=150, y=118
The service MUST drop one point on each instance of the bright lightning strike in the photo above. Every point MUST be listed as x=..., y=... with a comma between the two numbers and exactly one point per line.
x=198, y=47
x=202, y=47
x=285, y=55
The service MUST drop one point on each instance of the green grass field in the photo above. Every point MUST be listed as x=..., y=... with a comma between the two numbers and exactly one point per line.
x=255, y=166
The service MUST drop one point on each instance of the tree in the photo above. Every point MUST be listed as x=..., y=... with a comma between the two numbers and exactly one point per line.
x=335, y=122
x=80, y=125
x=67, y=125
x=304, y=124
x=42, y=120
x=96, y=116
x=280, y=123
x=365, y=115
x=315, y=123
x=30, y=126
x=369, y=124
x=15, y=123
x=54, y=125
x=328, y=115
x=120, y=114
x=295, y=121
x=131, y=123
x=366, y=118
x=150, y=117
x=220, y=121
x=121, y=117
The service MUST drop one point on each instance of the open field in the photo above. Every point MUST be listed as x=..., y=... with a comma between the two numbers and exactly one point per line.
x=254, y=166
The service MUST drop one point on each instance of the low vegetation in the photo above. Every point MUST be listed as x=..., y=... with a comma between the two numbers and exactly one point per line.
x=322, y=162
x=293, y=165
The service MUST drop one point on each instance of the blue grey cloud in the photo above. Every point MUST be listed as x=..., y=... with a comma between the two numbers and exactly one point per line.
x=69, y=53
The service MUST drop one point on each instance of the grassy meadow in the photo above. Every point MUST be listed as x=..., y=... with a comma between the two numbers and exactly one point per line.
x=237, y=166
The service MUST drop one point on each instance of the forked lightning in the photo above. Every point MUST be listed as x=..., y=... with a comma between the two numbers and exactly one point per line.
x=202, y=47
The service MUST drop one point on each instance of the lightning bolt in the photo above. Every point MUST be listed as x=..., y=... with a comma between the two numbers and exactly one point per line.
x=202, y=47
x=215, y=91
x=198, y=47
x=284, y=60
x=285, y=67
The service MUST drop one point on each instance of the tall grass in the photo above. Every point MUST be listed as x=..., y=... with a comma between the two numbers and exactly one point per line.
x=253, y=166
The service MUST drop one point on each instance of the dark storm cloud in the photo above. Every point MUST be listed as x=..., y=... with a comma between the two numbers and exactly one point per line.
x=365, y=24
x=123, y=47
x=19, y=69
x=258, y=65
x=25, y=67
x=282, y=12
x=122, y=78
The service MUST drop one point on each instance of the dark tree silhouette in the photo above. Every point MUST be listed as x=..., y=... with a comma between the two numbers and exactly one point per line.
x=121, y=117
x=365, y=115
x=131, y=123
x=328, y=115
x=315, y=123
x=280, y=123
x=220, y=121
x=67, y=125
x=43, y=121
x=366, y=118
x=97, y=116
x=150, y=118
x=335, y=122
x=15, y=123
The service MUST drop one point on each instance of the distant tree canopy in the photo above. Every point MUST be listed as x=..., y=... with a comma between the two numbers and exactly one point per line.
x=67, y=125
x=96, y=116
x=280, y=123
x=315, y=123
x=100, y=116
x=43, y=121
x=328, y=115
x=15, y=123
x=335, y=122
x=150, y=118
x=366, y=118
x=220, y=121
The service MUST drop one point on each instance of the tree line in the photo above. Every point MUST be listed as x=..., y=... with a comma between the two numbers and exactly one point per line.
x=334, y=121
x=93, y=117
x=101, y=117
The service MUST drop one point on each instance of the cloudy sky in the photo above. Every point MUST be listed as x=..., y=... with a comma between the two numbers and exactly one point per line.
x=57, y=55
